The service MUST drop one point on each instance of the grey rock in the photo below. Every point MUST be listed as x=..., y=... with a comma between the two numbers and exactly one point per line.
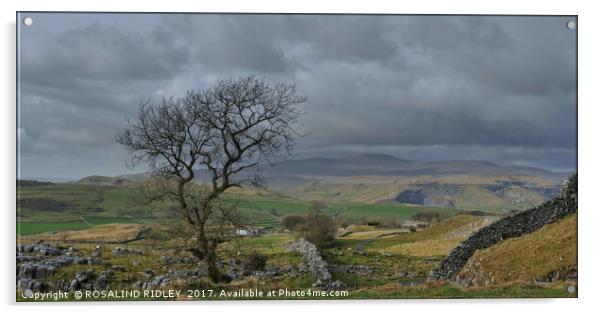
x=101, y=282
x=27, y=271
x=44, y=271
x=48, y=250
x=148, y=273
x=119, y=251
x=335, y=285
x=312, y=260
x=74, y=285
x=23, y=284
x=166, y=260
x=71, y=251
x=107, y=273
x=78, y=260
x=84, y=276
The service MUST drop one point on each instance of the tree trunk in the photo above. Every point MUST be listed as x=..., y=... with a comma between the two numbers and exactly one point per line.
x=212, y=268
x=209, y=258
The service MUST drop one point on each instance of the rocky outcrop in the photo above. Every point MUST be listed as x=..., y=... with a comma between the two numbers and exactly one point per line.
x=313, y=262
x=430, y=194
x=513, y=226
x=121, y=251
x=36, y=263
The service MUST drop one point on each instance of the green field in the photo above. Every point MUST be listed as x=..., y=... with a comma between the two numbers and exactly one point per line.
x=29, y=227
x=62, y=206
x=388, y=210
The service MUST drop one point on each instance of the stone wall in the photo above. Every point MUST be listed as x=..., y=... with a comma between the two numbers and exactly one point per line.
x=312, y=260
x=513, y=226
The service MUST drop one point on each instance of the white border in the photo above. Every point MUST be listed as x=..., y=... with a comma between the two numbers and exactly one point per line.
x=589, y=151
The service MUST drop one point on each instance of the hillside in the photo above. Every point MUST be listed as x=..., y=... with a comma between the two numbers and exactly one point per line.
x=491, y=193
x=65, y=207
x=295, y=172
x=375, y=178
x=548, y=254
x=436, y=240
x=513, y=226
x=26, y=183
x=107, y=233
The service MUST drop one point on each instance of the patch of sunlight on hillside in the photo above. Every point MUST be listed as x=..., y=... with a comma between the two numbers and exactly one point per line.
x=449, y=232
x=102, y=233
x=424, y=248
x=525, y=258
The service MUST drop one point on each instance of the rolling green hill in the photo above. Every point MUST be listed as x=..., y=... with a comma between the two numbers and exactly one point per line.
x=75, y=206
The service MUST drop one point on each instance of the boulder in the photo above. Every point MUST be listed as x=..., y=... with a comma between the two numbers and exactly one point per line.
x=101, y=282
x=74, y=285
x=27, y=271
x=121, y=251
x=335, y=285
x=84, y=276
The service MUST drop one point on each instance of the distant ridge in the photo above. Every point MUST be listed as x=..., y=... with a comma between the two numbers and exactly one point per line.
x=102, y=180
x=387, y=165
x=25, y=183
x=362, y=165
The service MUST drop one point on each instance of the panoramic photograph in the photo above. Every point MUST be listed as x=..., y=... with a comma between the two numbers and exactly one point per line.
x=200, y=157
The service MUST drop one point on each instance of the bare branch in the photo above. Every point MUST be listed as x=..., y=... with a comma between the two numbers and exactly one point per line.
x=224, y=131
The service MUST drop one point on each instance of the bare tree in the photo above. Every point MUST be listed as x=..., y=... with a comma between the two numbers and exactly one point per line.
x=223, y=131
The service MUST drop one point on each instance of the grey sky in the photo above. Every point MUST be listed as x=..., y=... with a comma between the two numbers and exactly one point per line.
x=417, y=87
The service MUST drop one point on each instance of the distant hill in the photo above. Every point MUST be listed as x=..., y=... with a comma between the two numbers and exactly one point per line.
x=302, y=170
x=25, y=183
x=374, y=178
x=386, y=165
x=102, y=180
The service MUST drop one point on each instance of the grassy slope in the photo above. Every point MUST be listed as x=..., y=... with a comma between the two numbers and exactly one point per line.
x=389, y=210
x=97, y=205
x=350, y=191
x=436, y=240
x=101, y=233
x=378, y=189
x=528, y=257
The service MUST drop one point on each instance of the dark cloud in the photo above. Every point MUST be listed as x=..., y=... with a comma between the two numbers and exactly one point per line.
x=424, y=87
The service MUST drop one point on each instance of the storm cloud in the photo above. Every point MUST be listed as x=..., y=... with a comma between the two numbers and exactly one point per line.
x=419, y=87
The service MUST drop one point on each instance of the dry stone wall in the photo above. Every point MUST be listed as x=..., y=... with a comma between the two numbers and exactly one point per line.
x=312, y=260
x=513, y=226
